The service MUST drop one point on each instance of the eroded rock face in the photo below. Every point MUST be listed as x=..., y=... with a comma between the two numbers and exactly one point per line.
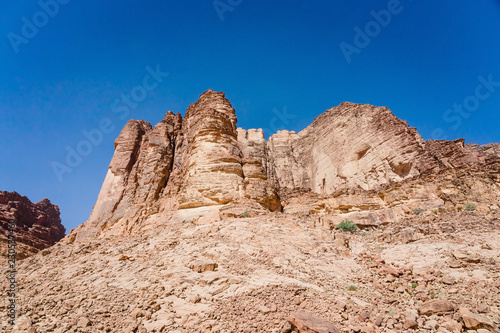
x=137, y=175
x=210, y=158
x=348, y=146
x=360, y=146
x=490, y=148
x=258, y=172
x=201, y=160
x=38, y=225
x=347, y=155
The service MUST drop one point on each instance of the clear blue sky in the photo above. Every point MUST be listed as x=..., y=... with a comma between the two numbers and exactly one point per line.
x=280, y=64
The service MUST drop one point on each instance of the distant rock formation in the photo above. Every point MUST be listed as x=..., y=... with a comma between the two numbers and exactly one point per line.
x=204, y=160
x=38, y=225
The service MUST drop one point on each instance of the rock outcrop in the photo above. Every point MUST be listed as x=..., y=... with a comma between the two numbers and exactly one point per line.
x=348, y=146
x=183, y=166
x=490, y=148
x=38, y=225
x=201, y=160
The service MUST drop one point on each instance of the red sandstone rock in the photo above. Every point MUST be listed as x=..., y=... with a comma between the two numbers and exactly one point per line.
x=38, y=225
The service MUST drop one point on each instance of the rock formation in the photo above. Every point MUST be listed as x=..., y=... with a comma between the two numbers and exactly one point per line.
x=490, y=148
x=201, y=226
x=183, y=166
x=38, y=225
x=201, y=160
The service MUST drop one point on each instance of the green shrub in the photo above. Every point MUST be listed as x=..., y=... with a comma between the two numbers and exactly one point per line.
x=418, y=211
x=470, y=207
x=352, y=287
x=414, y=285
x=245, y=213
x=435, y=211
x=347, y=225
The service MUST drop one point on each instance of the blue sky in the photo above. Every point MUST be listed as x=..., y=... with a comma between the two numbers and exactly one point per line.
x=280, y=63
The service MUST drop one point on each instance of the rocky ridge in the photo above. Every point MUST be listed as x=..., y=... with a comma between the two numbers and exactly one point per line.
x=181, y=165
x=38, y=225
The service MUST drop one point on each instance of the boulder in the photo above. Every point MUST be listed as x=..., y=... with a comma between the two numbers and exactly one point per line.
x=474, y=321
x=307, y=322
x=435, y=307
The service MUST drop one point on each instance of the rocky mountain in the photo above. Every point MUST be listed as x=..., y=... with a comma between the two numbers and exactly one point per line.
x=355, y=224
x=186, y=168
x=38, y=225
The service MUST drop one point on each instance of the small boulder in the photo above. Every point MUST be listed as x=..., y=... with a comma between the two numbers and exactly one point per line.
x=388, y=270
x=475, y=321
x=410, y=320
x=307, y=322
x=203, y=266
x=83, y=322
x=435, y=307
x=264, y=309
x=194, y=298
x=452, y=325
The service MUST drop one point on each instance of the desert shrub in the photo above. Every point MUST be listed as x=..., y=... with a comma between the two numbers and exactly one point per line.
x=352, y=287
x=347, y=225
x=245, y=213
x=470, y=207
x=418, y=211
x=435, y=211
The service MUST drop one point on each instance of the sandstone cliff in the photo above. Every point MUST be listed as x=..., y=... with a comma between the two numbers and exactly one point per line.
x=202, y=165
x=38, y=225
x=201, y=226
x=201, y=160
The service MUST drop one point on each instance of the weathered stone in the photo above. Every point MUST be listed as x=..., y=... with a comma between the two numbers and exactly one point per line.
x=38, y=225
x=491, y=148
x=410, y=320
x=435, y=307
x=83, y=322
x=389, y=270
x=203, y=266
x=475, y=321
x=307, y=322
x=452, y=325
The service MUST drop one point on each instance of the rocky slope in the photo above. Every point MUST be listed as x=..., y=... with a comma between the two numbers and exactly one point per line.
x=38, y=225
x=436, y=271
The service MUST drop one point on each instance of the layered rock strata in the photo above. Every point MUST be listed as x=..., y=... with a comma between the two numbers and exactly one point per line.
x=37, y=225
x=183, y=166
